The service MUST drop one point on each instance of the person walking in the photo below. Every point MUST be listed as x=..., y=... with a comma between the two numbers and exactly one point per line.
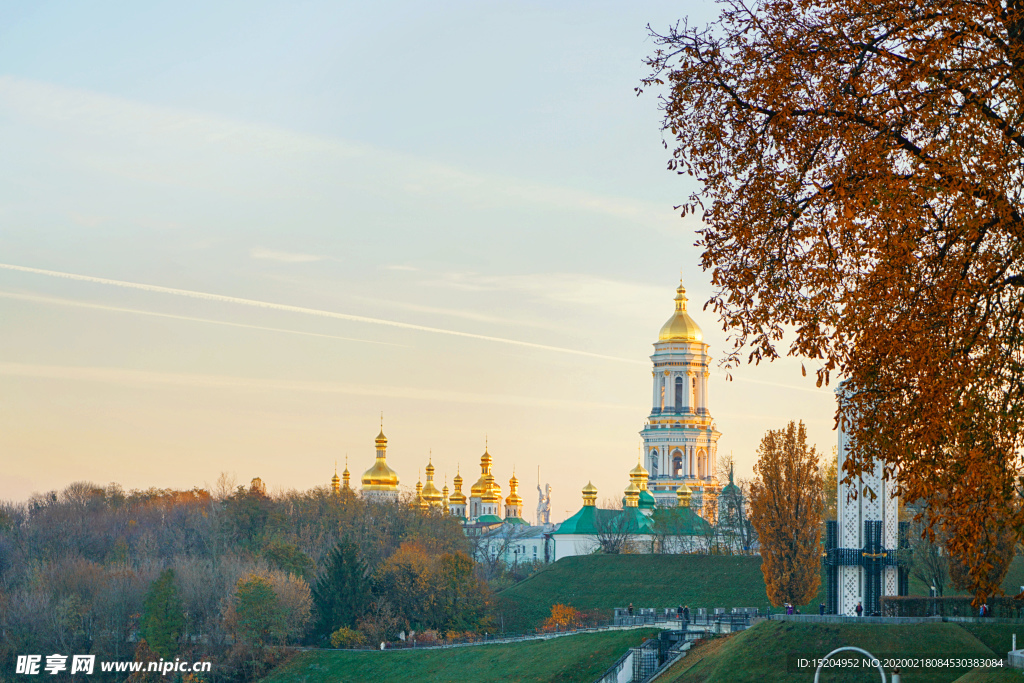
x=679, y=612
x=821, y=609
x=860, y=609
x=686, y=613
x=630, y=609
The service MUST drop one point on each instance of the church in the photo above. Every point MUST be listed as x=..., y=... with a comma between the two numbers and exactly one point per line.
x=678, y=490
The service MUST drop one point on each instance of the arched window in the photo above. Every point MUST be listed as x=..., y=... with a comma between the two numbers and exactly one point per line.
x=677, y=464
x=679, y=393
x=693, y=395
x=661, y=382
x=654, y=463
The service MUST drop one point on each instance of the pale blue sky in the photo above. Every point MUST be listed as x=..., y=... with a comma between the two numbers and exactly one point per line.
x=482, y=168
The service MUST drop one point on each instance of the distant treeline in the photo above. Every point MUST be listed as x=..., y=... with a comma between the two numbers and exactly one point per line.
x=229, y=575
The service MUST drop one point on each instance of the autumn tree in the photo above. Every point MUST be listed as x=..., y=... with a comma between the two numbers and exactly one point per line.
x=786, y=509
x=859, y=167
x=163, y=618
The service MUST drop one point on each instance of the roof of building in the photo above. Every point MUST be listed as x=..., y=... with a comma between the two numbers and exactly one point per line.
x=680, y=327
x=592, y=520
x=679, y=521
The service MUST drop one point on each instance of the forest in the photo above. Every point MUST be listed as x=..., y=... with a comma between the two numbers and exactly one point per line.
x=229, y=575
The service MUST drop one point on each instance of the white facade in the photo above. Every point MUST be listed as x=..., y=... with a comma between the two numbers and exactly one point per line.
x=870, y=498
x=680, y=441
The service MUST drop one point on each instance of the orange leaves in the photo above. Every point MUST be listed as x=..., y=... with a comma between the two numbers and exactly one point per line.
x=860, y=171
x=786, y=507
x=562, y=617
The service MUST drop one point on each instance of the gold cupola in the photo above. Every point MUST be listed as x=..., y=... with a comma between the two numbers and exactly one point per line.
x=683, y=494
x=430, y=493
x=380, y=477
x=458, y=497
x=482, y=487
x=346, y=477
x=418, y=501
x=335, y=480
x=445, y=501
x=632, y=495
x=513, y=494
x=589, y=495
x=680, y=327
x=638, y=475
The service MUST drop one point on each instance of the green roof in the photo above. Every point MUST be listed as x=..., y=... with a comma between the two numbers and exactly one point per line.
x=488, y=519
x=515, y=520
x=647, y=501
x=679, y=521
x=591, y=520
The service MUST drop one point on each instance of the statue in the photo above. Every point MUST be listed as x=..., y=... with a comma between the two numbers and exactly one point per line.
x=544, y=504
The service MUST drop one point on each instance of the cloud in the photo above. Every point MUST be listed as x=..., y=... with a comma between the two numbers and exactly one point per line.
x=283, y=256
x=135, y=311
x=145, y=378
x=308, y=311
x=158, y=129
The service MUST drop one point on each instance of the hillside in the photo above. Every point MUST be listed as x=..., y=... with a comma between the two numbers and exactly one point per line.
x=601, y=582
x=569, y=659
x=759, y=655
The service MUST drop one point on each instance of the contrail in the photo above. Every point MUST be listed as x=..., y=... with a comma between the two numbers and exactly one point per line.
x=307, y=311
x=136, y=311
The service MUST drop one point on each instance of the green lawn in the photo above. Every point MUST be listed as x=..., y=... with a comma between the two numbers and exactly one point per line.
x=569, y=659
x=601, y=582
x=759, y=655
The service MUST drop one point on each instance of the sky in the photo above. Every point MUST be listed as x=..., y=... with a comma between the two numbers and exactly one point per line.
x=233, y=234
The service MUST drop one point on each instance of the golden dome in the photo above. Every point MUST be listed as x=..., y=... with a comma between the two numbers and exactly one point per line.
x=492, y=494
x=335, y=481
x=680, y=327
x=513, y=495
x=683, y=494
x=458, y=497
x=638, y=475
x=380, y=477
x=589, y=495
x=430, y=492
x=632, y=495
x=381, y=440
x=481, y=487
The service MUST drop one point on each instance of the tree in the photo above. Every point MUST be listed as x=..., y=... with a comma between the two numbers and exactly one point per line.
x=928, y=564
x=342, y=592
x=859, y=164
x=163, y=618
x=255, y=616
x=786, y=509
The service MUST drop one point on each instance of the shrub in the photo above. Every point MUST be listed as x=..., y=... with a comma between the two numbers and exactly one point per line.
x=347, y=637
x=562, y=617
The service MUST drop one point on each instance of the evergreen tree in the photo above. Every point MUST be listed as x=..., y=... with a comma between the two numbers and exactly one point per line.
x=342, y=591
x=163, y=618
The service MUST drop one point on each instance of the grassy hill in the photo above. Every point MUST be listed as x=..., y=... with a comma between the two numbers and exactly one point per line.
x=569, y=659
x=601, y=582
x=760, y=653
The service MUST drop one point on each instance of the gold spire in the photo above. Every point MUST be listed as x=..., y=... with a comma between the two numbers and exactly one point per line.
x=345, y=476
x=481, y=487
x=638, y=475
x=445, y=501
x=680, y=327
x=335, y=481
x=589, y=495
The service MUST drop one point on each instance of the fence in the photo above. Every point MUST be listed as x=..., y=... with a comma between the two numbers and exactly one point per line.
x=736, y=619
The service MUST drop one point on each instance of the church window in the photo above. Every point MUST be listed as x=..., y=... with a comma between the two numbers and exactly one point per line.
x=693, y=392
x=662, y=393
x=679, y=392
